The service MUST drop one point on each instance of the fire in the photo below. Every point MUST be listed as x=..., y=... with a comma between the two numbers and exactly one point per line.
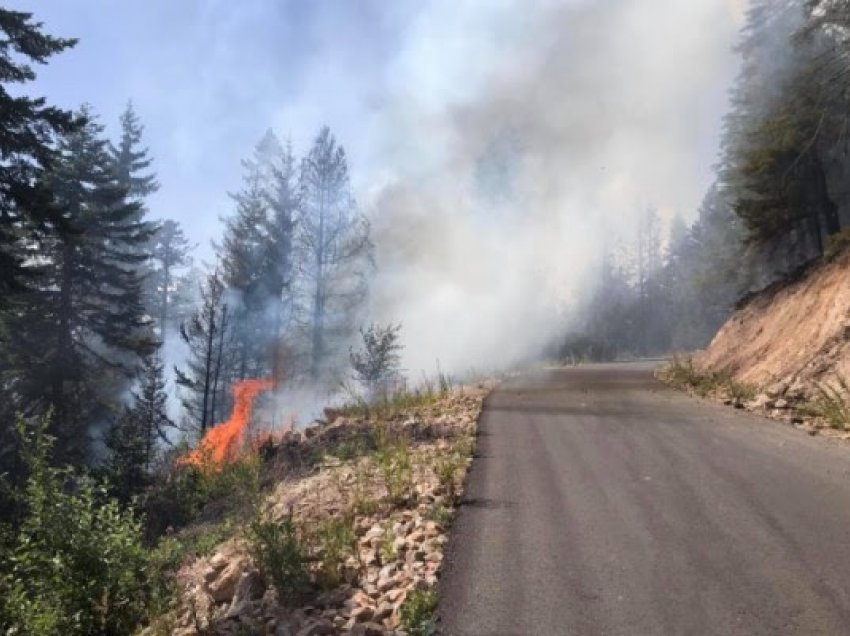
x=223, y=442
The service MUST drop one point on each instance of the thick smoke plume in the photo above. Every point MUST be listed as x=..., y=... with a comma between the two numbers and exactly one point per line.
x=517, y=138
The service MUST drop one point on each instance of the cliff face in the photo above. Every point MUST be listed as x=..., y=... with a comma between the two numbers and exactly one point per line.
x=791, y=336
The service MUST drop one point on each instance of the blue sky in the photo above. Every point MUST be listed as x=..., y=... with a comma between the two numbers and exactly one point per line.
x=209, y=77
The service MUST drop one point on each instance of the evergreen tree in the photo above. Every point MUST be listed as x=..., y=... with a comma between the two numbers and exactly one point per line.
x=28, y=130
x=169, y=250
x=78, y=336
x=242, y=262
x=257, y=257
x=131, y=160
x=335, y=254
x=206, y=334
x=278, y=265
x=775, y=148
x=144, y=427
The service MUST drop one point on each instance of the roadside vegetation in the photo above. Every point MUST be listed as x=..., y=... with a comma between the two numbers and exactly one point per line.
x=683, y=374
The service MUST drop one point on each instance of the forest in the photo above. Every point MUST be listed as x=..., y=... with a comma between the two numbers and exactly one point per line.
x=95, y=288
x=778, y=203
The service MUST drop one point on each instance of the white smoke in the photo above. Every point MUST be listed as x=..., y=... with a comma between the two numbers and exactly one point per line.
x=514, y=138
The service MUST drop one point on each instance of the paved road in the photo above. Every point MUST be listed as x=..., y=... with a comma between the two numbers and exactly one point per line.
x=605, y=503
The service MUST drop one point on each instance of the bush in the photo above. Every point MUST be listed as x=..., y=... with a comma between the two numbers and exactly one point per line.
x=278, y=550
x=76, y=564
x=376, y=364
x=418, y=613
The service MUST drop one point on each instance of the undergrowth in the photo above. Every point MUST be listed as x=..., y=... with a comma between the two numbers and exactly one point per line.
x=682, y=373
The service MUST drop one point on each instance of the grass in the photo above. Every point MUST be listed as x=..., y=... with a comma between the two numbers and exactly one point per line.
x=831, y=404
x=395, y=402
x=335, y=540
x=387, y=549
x=682, y=373
x=447, y=467
x=395, y=463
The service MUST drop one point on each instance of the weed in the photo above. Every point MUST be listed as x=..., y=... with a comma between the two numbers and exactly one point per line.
x=396, y=465
x=418, y=614
x=364, y=502
x=350, y=449
x=447, y=466
x=387, y=548
x=831, y=404
x=682, y=373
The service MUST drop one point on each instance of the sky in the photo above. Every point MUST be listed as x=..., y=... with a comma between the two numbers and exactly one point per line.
x=495, y=145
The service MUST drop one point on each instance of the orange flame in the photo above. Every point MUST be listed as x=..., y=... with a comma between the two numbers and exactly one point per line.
x=223, y=442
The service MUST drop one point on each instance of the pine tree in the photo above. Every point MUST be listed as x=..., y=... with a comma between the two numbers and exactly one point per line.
x=131, y=160
x=775, y=147
x=278, y=265
x=78, y=337
x=257, y=253
x=143, y=428
x=206, y=334
x=335, y=254
x=169, y=250
x=28, y=130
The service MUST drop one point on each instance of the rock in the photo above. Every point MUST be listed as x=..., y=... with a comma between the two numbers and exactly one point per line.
x=367, y=629
x=362, y=614
x=317, y=628
x=249, y=588
x=384, y=610
x=223, y=587
x=781, y=403
x=386, y=584
x=417, y=536
x=399, y=545
x=369, y=557
x=396, y=596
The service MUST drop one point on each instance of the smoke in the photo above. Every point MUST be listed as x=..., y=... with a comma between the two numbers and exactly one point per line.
x=514, y=139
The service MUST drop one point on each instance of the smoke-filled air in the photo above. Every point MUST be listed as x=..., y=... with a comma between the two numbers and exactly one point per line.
x=244, y=243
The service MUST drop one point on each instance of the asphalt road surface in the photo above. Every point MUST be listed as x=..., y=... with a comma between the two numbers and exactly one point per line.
x=602, y=502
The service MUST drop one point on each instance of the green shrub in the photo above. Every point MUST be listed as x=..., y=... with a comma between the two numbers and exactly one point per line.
x=443, y=515
x=418, y=614
x=278, y=549
x=76, y=564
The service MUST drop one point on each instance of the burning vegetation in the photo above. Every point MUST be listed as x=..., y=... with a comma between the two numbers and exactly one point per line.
x=224, y=442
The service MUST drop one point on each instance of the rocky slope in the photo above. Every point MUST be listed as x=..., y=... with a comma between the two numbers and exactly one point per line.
x=386, y=486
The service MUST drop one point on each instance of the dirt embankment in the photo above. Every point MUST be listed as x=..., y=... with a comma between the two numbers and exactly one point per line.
x=788, y=346
x=790, y=338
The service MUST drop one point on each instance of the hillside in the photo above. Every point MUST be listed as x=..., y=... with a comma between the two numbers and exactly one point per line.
x=790, y=340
